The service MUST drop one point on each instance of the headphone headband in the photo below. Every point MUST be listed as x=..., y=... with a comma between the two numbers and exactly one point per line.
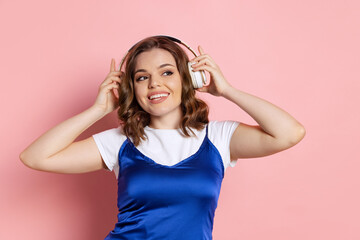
x=168, y=37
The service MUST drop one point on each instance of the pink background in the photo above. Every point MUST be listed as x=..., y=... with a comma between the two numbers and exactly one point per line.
x=300, y=55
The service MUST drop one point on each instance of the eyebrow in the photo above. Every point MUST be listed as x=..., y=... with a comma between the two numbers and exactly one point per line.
x=161, y=66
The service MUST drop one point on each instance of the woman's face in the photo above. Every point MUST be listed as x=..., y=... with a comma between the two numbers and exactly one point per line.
x=157, y=83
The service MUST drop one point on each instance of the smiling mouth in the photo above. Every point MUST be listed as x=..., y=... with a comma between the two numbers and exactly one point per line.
x=158, y=96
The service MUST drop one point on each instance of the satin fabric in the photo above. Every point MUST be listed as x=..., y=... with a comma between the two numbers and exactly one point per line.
x=176, y=202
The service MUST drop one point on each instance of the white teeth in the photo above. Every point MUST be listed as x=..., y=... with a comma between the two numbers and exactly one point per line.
x=158, y=95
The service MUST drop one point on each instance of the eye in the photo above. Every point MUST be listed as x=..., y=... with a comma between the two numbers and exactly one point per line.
x=141, y=78
x=168, y=73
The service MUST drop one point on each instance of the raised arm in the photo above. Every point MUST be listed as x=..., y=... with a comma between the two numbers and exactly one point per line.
x=277, y=129
x=56, y=151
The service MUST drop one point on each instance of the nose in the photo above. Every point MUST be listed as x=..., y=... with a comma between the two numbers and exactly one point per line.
x=154, y=82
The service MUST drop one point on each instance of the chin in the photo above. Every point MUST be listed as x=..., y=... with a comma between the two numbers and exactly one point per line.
x=159, y=112
x=162, y=111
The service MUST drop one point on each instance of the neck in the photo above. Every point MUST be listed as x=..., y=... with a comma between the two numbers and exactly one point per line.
x=168, y=121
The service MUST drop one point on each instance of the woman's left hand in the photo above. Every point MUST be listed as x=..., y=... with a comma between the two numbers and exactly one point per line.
x=218, y=83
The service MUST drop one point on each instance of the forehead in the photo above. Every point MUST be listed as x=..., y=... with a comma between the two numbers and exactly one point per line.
x=154, y=58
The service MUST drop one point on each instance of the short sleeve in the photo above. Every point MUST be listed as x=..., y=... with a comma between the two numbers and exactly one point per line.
x=220, y=133
x=109, y=143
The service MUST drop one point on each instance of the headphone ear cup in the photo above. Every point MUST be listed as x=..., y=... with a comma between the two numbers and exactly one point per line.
x=198, y=78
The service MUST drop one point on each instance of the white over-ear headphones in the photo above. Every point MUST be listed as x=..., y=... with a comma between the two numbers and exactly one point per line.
x=198, y=78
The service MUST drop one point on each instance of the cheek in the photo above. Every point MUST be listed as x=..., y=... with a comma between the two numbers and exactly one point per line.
x=176, y=85
x=138, y=93
x=179, y=87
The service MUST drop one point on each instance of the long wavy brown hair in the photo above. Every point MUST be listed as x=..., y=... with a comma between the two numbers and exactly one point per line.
x=130, y=113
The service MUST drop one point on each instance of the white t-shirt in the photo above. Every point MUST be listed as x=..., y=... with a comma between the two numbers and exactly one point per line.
x=167, y=146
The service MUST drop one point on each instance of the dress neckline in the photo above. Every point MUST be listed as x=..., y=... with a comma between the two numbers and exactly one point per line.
x=150, y=128
x=151, y=161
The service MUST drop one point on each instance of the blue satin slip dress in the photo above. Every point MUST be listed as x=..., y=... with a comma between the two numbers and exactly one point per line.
x=175, y=202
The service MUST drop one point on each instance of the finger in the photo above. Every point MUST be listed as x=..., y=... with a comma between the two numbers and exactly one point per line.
x=114, y=73
x=112, y=66
x=201, y=57
x=116, y=79
x=201, y=50
x=110, y=80
x=203, y=89
x=116, y=94
x=204, y=61
x=210, y=69
x=109, y=87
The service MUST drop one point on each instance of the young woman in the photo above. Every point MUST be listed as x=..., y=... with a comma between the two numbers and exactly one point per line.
x=169, y=160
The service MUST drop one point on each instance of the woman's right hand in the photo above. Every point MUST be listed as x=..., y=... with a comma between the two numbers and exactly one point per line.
x=106, y=99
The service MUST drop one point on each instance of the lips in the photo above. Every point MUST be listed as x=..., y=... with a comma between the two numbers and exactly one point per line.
x=157, y=95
